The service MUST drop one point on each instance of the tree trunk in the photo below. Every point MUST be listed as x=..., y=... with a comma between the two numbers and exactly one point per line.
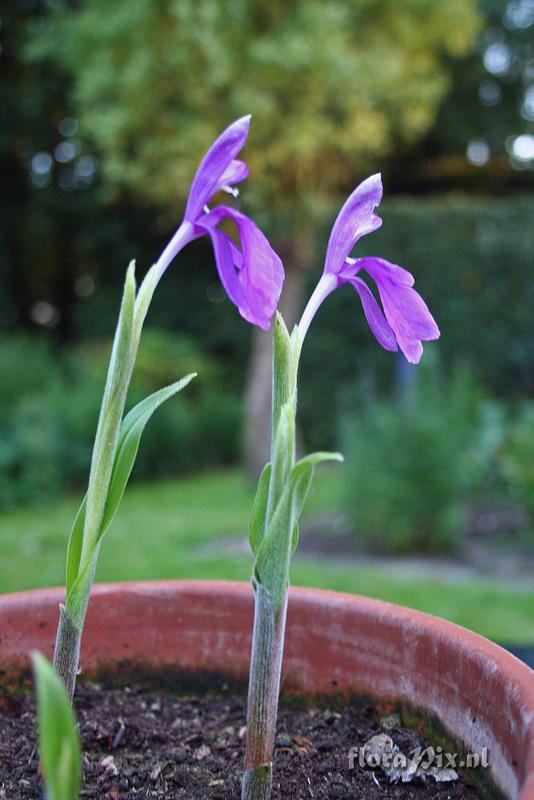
x=297, y=257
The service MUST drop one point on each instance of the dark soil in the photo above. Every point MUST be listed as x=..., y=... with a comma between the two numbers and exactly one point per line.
x=149, y=744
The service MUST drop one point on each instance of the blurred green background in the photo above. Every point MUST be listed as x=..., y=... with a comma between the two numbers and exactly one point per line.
x=106, y=110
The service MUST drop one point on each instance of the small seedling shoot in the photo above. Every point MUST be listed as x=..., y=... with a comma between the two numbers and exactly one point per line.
x=59, y=739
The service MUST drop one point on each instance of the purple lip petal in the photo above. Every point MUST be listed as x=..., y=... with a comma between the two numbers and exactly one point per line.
x=374, y=316
x=412, y=349
x=356, y=219
x=405, y=310
x=261, y=274
x=213, y=166
x=258, y=274
x=223, y=247
x=237, y=255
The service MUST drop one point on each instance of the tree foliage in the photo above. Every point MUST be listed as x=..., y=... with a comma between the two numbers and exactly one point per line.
x=333, y=85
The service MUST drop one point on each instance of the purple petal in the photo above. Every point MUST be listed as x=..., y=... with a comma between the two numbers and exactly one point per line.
x=412, y=349
x=213, y=166
x=374, y=316
x=356, y=219
x=376, y=266
x=258, y=271
x=225, y=258
x=405, y=309
x=236, y=172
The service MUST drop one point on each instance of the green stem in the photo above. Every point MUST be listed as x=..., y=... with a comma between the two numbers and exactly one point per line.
x=263, y=693
x=67, y=650
x=271, y=603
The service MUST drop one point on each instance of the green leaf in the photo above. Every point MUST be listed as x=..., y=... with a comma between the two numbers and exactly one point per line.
x=282, y=455
x=281, y=535
x=295, y=538
x=272, y=560
x=271, y=568
x=282, y=369
x=256, y=524
x=131, y=430
x=74, y=547
x=317, y=458
x=59, y=740
x=120, y=361
x=305, y=469
x=111, y=412
x=130, y=434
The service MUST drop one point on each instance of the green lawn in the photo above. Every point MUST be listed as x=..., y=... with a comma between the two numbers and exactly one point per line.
x=160, y=529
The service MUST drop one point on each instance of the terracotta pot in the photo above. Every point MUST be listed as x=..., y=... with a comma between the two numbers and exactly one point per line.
x=336, y=644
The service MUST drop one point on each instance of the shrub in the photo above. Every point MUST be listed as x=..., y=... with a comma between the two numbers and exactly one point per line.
x=203, y=428
x=30, y=442
x=518, y=456
x=50, y=410
x=410, y=465
x=30, y=454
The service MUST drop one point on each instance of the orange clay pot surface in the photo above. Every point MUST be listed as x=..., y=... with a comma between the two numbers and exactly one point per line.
x=337, y=644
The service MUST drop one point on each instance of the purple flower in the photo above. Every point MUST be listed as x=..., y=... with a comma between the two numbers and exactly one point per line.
x=251, y=272
x=404, y=320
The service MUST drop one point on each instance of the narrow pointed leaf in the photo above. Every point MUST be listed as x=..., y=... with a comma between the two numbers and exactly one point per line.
x=120, y=360
x=59, y=740
x=281, y=533
x=295, y=538
x=282, y=369
x=111, y=413
x=282, y=456
x=74, y=548
x=132, y=427
x=302, y=475
x=256, y=525
x=317, y=458
x=78, y=593
x=131, y=431
x=272, y=560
